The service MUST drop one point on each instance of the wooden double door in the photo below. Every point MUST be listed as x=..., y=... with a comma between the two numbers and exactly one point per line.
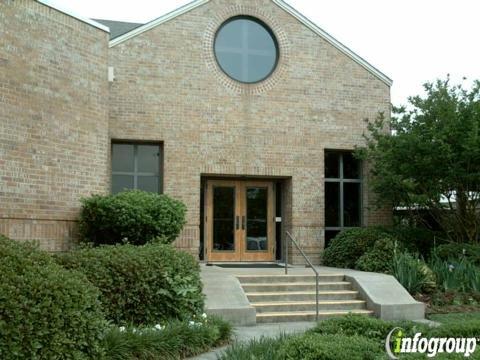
x=240, y=220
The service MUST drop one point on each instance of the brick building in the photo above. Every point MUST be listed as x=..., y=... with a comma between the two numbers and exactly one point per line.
x=243, y=109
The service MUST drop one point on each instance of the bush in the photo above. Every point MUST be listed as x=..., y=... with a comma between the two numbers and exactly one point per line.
x=141, y=284
x=458, y=252
x=379, y=258
x=414, y=239
x=413, y=273
x=349, y=245
x=136, y=217
x=175, y=340
x=263, y=348
x=457, y=275
x=46, y=312
x=372, y=328
x=329, y=347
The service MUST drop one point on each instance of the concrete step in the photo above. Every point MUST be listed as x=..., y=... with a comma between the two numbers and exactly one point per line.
x=289, y=306
x=301, y=295
x=295, y=286
x=275, y=317
x=269, y=279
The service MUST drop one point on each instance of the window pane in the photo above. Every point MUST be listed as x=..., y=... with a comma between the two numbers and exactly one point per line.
x=121, y=182
x=122, y=158
x=232, y=64
x=148, y=183
x=351, y=204
x=259, y=66
x=148, y=158
x=257, y=213
x=332, y=204
x=351, y=167
x=223, y=218
x=332, y=165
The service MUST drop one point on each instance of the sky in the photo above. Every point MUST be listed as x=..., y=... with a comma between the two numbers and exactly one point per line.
x=411, y=41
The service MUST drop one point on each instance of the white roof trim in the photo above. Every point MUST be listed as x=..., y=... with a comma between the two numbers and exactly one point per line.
x=76, y=16
x=334, y=41
x=282, y=4
x=173, y=14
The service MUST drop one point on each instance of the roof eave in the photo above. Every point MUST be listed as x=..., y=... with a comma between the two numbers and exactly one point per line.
x=76, y=16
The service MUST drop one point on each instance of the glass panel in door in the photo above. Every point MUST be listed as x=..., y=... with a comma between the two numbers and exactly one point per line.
x=257, y=219
x=223, y=218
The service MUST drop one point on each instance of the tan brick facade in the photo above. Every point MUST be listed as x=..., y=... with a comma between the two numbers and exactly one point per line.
x=53, y=121
x=169, y=89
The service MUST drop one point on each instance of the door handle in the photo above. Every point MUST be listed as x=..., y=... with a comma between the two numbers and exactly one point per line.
x=243, y=222
x=237, y=222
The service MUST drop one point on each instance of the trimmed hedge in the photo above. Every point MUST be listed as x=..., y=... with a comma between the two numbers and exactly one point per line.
x=141, y=284
x=349, y=245
x=46, y=312
x=134, y=217
x=379, y=258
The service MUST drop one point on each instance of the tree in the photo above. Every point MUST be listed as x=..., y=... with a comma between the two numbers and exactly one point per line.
x=431, y=158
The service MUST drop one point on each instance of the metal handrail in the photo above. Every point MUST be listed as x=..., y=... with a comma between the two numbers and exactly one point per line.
x=308, y=262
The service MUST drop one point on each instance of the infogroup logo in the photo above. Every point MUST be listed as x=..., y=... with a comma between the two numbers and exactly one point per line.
x=397, y=343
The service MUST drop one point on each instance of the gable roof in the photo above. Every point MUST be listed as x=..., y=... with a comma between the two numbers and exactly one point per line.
x=118, y=28
x=74, y=15
x=283, y=5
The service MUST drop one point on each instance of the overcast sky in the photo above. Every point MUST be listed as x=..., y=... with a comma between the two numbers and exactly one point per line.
x=411, y=41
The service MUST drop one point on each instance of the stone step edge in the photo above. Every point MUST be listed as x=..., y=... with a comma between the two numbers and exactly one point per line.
x=289, y=275
x=299, y=283
x=288, y=303
x=308, y=313
x=284, y=293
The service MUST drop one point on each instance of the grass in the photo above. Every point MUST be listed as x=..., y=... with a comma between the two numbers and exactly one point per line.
x=177, y=340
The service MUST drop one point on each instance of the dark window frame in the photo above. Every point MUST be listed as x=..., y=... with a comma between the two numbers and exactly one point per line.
x=341, y=180
x=135, y=172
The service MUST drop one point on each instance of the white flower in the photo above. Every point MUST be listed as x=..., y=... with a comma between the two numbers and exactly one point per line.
x=191, y=323
x=464, y=251
x=134, y=330
x=451, y=267
x=159, y=327
x=204, y=315
x=122, y=328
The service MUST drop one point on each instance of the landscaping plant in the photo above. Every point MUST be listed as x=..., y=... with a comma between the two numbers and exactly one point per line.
x=141, y=284
x=46, y=311
x=134, y=217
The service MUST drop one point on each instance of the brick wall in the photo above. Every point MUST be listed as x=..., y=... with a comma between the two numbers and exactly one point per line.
x=54, y=141
x=168, y=88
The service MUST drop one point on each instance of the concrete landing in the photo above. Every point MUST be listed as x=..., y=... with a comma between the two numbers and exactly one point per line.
x=382, y=293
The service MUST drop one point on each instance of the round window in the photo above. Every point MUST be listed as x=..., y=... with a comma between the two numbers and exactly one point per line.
x=246, y=49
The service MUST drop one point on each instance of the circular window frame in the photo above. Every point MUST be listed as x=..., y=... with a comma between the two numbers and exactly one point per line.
x=266, y=28
x=233, y=86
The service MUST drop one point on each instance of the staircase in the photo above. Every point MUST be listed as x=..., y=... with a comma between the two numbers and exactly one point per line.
x=281, y=298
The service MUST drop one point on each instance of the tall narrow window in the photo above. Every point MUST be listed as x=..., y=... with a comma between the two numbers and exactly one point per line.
x=343, y=193
x=136, y=166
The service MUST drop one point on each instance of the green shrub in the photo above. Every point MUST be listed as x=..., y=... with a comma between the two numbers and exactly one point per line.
x=465, y=328
x=412, y=273
x=349, y=245
x=175, y=340
x=46, y=312
x=141, y=284
x=263, y=348
x=136, y=217
x=458, y=252
x=414, y=239
x=458, y=275
x=379, y=258
x=369, y=327
x=329, y=347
